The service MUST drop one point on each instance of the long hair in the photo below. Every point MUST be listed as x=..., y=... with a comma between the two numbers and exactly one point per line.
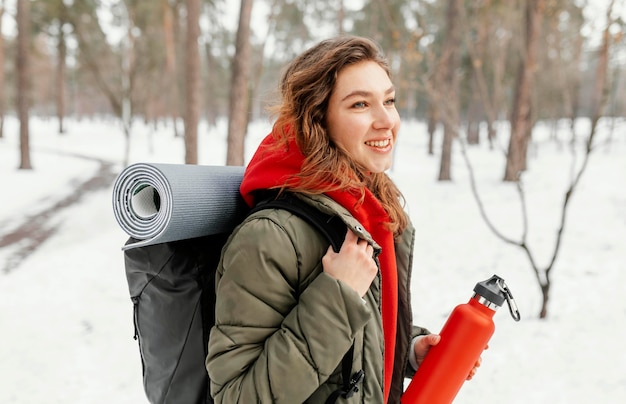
x=305, y=90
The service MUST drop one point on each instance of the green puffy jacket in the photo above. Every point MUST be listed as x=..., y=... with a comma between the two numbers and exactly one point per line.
x=283, y=326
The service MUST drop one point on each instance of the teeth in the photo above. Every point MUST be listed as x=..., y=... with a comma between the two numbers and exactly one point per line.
x=379, y=143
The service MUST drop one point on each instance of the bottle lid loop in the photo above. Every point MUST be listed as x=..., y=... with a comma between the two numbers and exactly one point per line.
x=509, y=300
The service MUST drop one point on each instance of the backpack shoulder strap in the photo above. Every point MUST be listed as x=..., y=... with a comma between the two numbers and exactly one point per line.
x=331, y=226
x=334, y=229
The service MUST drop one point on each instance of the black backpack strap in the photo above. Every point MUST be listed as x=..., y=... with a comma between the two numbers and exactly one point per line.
x=334, y=229
x=331, y=226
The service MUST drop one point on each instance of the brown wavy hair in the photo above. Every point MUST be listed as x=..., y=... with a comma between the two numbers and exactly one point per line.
x=305, y=90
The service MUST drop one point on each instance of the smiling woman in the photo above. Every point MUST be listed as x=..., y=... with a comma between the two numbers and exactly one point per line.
x=302, y=307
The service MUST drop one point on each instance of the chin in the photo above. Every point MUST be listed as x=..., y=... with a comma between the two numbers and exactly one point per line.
x=380, y=169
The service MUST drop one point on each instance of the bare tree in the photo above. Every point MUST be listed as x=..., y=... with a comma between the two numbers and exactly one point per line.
x=172, y=104
x=599, y=101
x=102, y=62
x=192, y=82
x=61, y=68
x=449, y=63
x=488, y=56
x=2, y=78
x=128, y=66
x=23, y=80
x=521, y=119
x=238, y=107
x=433, y=121
x=212, y=83
x=51, y=18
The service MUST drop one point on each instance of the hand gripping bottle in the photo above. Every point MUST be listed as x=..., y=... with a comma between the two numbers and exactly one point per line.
x=464, y=336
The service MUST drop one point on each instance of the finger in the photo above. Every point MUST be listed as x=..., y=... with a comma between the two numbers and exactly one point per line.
x=350, y=237
x=363, y=244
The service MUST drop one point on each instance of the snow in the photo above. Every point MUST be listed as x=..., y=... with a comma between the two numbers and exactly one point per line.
x=66, y=316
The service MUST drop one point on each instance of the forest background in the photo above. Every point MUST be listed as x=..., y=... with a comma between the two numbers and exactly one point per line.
x=458, y=63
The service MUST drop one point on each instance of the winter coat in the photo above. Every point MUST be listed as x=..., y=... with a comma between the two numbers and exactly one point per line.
x=283, y=326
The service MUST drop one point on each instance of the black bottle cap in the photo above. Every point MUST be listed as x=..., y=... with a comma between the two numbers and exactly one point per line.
x=491, y=290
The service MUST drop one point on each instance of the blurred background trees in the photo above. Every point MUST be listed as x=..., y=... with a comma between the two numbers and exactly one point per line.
x=464, y=65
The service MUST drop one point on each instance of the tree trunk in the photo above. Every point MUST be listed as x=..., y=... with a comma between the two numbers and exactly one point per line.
x=521, y=118
x=341, y=14
x=128, y=47
x=23, y=80
x=192, y=82
x=2, y=84
x=433, y=120
x=600, y=88
x=172, y=103
x=450, y=61
x=575, y=91
x=446, y=154
x=545, y=298
x=211, y=106
x=238, y=106
x=490, y=99
x=60, y=82
x=474, y=113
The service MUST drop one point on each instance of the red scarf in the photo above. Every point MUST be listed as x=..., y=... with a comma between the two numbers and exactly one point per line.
x=271, y=167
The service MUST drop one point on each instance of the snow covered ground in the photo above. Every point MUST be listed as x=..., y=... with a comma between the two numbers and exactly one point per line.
x=66, y=317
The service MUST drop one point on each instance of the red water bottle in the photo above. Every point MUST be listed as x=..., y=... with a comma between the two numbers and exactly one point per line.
x=464, y=336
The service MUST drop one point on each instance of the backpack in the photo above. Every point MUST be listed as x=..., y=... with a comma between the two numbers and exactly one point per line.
x=172, y=288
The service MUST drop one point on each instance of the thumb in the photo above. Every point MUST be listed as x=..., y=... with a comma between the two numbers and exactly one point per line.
x=423, y=345
x=432, y=339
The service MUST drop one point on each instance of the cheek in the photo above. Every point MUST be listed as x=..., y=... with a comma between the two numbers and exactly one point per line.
x=396, y=126
x=352, y=135
x=342, y=132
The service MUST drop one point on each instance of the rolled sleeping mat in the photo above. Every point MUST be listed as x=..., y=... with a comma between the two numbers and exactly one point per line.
x=158, y=203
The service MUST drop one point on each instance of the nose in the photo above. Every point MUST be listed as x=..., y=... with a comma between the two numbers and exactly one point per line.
x=384, y=117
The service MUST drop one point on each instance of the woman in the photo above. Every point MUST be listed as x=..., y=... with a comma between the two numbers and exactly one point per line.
x=288, y=307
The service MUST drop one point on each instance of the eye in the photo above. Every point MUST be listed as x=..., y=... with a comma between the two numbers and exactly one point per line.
x=359, y=105
x=390, y=102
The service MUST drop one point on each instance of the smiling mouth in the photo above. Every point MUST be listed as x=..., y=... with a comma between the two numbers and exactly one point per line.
x=379, y=143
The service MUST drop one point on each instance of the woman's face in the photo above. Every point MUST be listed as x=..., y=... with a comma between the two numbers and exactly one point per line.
x=362, y=117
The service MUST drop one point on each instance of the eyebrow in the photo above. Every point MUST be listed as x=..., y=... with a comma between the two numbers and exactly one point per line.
x=362, y=93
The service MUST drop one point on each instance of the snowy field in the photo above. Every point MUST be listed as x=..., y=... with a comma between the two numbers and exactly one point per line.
x=66, y=317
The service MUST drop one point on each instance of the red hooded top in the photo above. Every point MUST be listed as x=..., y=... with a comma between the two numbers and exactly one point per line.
x=272, y=167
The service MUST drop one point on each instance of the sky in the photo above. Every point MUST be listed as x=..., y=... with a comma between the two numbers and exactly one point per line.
x=66, y=315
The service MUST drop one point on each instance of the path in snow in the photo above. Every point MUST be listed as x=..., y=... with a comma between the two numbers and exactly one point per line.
x=37, y=228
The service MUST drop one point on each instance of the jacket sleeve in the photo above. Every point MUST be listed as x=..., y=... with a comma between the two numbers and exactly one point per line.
x=417, y=331
x=275, y=340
